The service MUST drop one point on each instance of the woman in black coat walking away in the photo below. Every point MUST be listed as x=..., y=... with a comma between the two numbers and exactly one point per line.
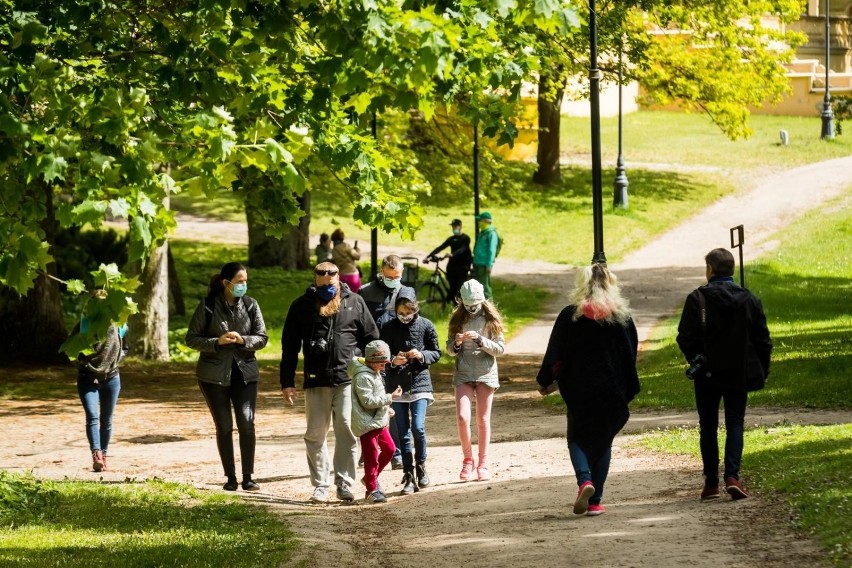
x=592, y=358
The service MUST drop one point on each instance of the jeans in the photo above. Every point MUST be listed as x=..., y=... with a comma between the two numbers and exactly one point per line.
x=324, y=407
x=590, y=468
x=377, y=447
x=707, y=399
x=410, y=420
x=243, y=397
x=92, y=394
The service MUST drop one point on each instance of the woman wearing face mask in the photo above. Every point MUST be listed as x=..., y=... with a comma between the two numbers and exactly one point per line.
x=228, y=328
x=476, y=340
x=414, y=341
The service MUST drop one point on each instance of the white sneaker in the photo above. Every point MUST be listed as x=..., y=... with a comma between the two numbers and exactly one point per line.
x=320, y=495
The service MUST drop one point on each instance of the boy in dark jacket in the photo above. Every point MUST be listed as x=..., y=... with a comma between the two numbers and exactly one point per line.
x=724, y=336
x=414, y=341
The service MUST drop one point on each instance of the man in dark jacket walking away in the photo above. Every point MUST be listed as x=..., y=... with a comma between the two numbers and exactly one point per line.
x=458, y=267
x=329, y=325
x=724, y=336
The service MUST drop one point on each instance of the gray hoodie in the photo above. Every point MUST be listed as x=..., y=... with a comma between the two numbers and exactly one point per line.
x=476, y=363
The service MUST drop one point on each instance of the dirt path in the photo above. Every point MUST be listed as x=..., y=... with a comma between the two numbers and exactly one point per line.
x=522, y=516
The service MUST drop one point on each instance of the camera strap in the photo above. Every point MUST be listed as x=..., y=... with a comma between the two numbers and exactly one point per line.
x=702, y=306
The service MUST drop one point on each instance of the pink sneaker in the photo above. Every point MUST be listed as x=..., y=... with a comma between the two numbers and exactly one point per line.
x=482, y=473
x=595, y=510
x=467, y=469
x=581, y=504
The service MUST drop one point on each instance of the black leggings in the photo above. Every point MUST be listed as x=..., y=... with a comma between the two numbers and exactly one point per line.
x=244, y=399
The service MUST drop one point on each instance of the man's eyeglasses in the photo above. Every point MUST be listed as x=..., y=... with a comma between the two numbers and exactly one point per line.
x=325, y=272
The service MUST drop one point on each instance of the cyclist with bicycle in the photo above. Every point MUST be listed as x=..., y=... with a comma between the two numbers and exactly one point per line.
x=458, y=266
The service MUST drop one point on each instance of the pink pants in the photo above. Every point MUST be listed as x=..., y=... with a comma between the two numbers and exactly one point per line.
x=377, y=447
x=484, y=395
x=353, y=280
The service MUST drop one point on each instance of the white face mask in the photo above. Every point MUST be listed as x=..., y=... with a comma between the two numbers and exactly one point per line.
x=473, y=309
x=405, y=319
x=392, y=283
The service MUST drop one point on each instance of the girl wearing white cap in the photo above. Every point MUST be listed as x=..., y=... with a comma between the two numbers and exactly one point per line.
x=476, y=340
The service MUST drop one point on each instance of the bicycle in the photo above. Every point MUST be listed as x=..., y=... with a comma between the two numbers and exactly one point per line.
x=436, y=290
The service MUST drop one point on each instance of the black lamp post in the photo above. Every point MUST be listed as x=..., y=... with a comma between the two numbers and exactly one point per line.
x=374, y=232
x=475, y=181
x=619, y=198
x=827, y=113
x=597, y=184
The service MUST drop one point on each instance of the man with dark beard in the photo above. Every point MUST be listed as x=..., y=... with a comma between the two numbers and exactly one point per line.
x=330, y=325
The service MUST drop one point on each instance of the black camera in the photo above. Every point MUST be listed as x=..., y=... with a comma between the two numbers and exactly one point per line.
x=697, y=368
x=320, y=346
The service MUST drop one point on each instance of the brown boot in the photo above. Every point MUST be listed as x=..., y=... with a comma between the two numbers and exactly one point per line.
x=98, y=461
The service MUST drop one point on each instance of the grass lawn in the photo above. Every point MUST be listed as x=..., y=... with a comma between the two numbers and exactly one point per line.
x=693, y=140
x=807, y=466
x=133, y=525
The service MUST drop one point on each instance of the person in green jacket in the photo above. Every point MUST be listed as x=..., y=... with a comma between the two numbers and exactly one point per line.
x=485, y=252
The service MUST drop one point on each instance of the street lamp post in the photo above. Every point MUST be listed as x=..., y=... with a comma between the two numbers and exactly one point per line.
x=619, y=198
x=597, y=184
x=827, y=113
x=374, y=232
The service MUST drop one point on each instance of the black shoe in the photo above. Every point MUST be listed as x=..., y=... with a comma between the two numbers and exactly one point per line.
x=422, y=476
x=408, y=484
x=344, y=493
x=249, y=485
x=396, y=463
x=231, y=484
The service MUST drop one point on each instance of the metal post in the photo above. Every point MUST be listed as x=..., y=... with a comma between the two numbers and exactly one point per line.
x=475, y=180
x=597, y=183
x=374, y=232
x=619, y=198
x=827, y=112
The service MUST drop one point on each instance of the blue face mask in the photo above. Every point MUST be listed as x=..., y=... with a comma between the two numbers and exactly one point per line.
x=239, y=290
x=392, y=283
x=326, y=292
x=456, y=231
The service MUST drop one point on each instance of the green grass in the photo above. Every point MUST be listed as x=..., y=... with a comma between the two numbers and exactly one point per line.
x=275, y=289
x=693, y=140
x=806, y=289
x=135, y=525
x=807, y=466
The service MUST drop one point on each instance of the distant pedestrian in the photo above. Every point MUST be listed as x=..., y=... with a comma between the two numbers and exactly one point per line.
x=485, y=252
x=346, y=259
x=475, y=340
x=323, y=249
x=592, y=357
x=98, y=385
x=413, y=341
x=725, y=339
x=458, y=267
x=371, y=413
x=228, y=329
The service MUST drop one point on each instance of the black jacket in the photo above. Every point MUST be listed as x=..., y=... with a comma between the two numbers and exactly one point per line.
x=216, y=362
x=594, y=364
x=352, y=328
x=460, y=255
x=736, y=343
x=419, y=334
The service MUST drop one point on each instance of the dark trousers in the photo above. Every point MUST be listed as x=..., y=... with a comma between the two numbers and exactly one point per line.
x=707, y=399
x=456, y=276
x=219, y=399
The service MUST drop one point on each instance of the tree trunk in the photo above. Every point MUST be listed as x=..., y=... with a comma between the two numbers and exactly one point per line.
x=290, y=252
x=148, y=335
x=549, y=116
x=34, y=325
